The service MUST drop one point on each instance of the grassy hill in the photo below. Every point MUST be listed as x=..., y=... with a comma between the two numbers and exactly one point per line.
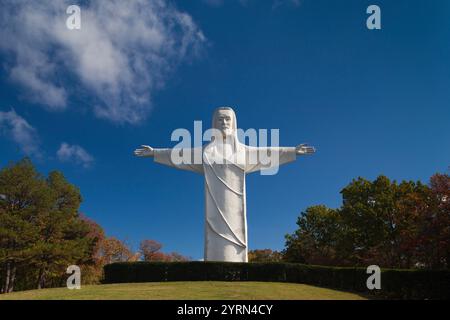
x=187, y=291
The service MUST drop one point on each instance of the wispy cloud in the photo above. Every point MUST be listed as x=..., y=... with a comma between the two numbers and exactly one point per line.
x=124, y=52
x=16, y=128
x=75, y=154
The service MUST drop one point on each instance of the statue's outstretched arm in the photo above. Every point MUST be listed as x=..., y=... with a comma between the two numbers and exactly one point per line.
x=164, y=156
x=263, y=158
x=304, y=149
x=144, y=151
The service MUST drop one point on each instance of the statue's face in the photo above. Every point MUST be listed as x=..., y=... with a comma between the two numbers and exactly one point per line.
x=224, y=122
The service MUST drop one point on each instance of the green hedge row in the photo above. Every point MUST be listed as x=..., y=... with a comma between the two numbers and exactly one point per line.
x=395, y=284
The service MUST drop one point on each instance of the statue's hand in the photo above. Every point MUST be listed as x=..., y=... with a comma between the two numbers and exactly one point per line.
x=304, y=149
x=145, y=151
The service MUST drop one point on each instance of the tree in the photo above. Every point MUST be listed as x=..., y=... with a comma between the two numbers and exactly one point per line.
x=264, y=255
x=93, y=267
x=149, y=250
x=382, y=221
x=41, y=232
x=63, y=237
x=22, y=191
x=315, y=240
x=434, y=231
x=397, y=225
x=175, y=256
x=114, y=250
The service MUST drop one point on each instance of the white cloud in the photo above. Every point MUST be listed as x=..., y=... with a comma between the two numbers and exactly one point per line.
x=74, y=153
x=20, y=131
x=124, y=51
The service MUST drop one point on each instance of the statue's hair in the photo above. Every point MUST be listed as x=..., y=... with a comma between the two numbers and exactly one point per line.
x=224, y=108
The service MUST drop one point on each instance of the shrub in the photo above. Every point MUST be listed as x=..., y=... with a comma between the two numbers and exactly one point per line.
x=395, y=284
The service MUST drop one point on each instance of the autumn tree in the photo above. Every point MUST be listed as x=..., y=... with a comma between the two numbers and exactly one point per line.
x=151, y=251
x=42, y=233
x=264, y=255
x=175, y=256
x=397, y=225
x=115, y=250
x=382, y=220
x=434, y=230
x=92, y=268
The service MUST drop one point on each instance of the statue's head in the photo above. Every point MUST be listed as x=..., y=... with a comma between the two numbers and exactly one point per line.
x=224, y=119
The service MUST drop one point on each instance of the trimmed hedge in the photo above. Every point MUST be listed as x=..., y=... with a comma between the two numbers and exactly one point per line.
x=395, y=284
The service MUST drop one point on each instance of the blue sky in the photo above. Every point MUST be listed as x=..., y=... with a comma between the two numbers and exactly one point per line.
x=371, y=101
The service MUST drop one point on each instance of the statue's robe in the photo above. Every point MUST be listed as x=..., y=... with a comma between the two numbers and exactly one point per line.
x=225, y=202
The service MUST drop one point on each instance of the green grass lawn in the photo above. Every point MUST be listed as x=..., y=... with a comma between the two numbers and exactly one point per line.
x=188, y=291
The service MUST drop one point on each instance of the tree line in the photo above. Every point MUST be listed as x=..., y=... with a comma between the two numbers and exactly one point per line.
x=42, y=232
x=382, y=222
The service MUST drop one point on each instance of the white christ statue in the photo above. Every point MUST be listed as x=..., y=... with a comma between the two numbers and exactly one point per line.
x=224, y=163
